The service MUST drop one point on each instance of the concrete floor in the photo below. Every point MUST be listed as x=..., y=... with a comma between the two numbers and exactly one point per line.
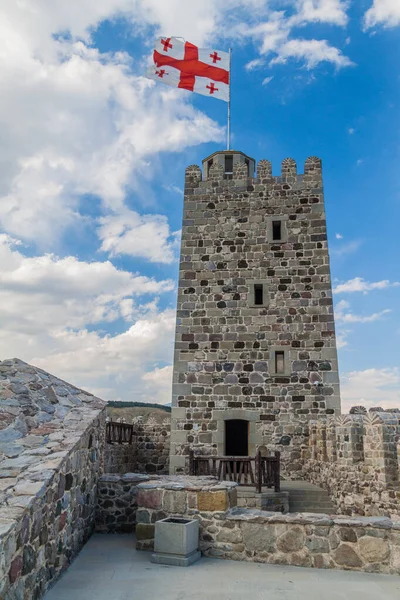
x=109, y=568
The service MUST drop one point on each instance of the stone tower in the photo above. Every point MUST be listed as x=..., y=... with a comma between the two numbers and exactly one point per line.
x=255, y=348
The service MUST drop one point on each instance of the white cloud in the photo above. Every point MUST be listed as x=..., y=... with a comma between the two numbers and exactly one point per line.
x=351, y=130
x=50, y=293
x=158, y=384
x=146, y=236
x=383, y=12
x=48, y=304
x=117, y=365
x=267, y=80
x=371, y=387
x=342, y=316
x=338, y=236
x=312, y=52
x=76, y=122
x=323, y=11
x=276, y=33
x=341, y=338
x=358, y=284
x=254, y=64
x=346, y=248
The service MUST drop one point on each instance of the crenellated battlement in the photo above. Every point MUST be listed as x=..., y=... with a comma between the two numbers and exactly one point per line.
x=241, y=173
x=356, y=457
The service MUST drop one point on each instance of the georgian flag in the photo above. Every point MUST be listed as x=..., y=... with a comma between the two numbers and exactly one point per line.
x=184, y=65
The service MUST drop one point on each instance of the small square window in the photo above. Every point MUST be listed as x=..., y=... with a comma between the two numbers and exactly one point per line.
x=276, y=230
x=279, y=362
x=258, y=294
x=229, y=163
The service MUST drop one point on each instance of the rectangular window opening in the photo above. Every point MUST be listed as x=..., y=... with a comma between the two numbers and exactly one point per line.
x=279, y=362
x=258, y=293
x=229, y=164
x=209, y=165
x=247, y=162
x=276, y=230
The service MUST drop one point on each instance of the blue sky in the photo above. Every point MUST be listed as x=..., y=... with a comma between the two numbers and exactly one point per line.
x=92, y=163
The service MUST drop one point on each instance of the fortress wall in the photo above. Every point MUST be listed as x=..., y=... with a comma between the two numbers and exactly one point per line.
x=49, y=516
x=355, y=457
x=148, y=453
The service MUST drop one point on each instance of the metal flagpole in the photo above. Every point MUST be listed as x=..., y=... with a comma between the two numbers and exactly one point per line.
x=229, y=103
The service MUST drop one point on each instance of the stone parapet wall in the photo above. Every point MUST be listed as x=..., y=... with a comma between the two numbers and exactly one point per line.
x=355, y=458
x=120, y=458
x=148, y=453
x=310, y=540
x=50, y=517
x=116, y=502
x=303, y=540
x=51, y=455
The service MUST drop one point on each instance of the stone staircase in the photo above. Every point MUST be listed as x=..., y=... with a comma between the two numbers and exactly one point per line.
x=306, y=497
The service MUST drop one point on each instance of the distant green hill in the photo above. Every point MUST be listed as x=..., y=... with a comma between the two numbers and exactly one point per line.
x=131, y=410
x=116, y=404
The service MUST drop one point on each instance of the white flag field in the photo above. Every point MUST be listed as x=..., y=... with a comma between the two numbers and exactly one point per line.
x=184, y=65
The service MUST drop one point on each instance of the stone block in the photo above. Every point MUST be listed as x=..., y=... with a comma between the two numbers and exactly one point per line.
x=212, y=501
x=374, y=550
x=144, y=531
x=149, y=498
x=174, y=502
x=292, y=540
x=258, y=538
x=347, y=558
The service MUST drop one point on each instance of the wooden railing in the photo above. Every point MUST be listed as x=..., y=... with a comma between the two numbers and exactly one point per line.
x=119, y=433
x=258, y=471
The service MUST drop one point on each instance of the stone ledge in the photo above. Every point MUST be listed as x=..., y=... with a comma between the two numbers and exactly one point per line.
x=188, y=483
x=262, y=516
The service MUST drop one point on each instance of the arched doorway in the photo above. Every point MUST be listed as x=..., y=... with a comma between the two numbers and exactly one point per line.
x=236, y=437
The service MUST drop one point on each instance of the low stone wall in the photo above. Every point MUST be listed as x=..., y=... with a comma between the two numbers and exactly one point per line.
x=304, y=540
x=312, y=540
x=50, y=517
x=120, y=458
x=355, y=458
x=148, y=453
x=51, y=455
x=116, y=502
x=176, y=496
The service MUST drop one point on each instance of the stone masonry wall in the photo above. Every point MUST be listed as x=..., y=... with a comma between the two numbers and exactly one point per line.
x=356, y=458
x=148, y=453
x=116, y=502
x=153, y=448
x=50, y=518
x=225, y=345
x=364, y=544
x=120, y=458
x=51, y=455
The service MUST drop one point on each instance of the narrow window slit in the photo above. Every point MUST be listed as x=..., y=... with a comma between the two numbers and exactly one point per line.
x=276, y=230
x=279, y=362
x=258, y=294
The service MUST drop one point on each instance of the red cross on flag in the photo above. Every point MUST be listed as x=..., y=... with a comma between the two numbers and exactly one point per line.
x=184, y=65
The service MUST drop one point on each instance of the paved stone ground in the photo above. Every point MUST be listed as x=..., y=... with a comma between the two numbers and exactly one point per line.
x=109, y=568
